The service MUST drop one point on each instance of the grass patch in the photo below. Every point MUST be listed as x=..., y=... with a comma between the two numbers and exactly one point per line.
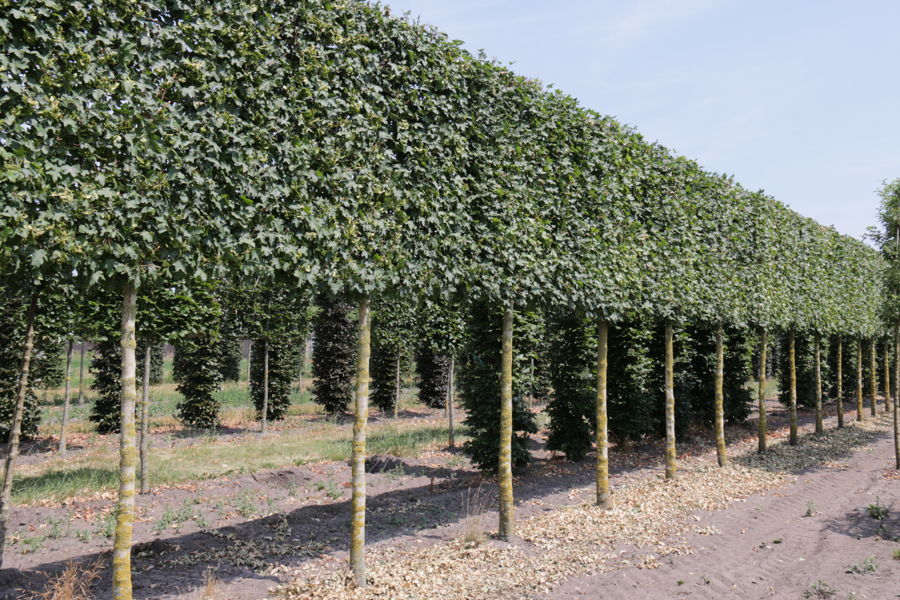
x=61, y=478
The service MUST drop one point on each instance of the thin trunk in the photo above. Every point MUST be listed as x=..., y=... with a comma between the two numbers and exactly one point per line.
x=145, y=421
x=840, y=382
x=397, y=387
x=792, y=366
x=897, y=397
x=361, y=415
x=603, y=499
x=504, y=469
x=859, y=382
x=249, y=359
x=265, y=402
x=721, y=452
x=67, y=395
x=670, y=404
x=81, y=375
x=128, y=451
x=820, y=426
x=873, y=382
x=763, y=426
x=450, y=400
x=15, y=432
x=887, y=377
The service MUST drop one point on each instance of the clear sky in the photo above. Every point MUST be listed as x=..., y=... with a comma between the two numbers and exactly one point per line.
x=797, y=97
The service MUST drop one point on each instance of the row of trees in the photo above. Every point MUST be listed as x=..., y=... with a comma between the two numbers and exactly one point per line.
x=327, y=149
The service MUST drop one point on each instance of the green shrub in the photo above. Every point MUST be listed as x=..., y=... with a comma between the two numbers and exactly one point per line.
x=334, y=355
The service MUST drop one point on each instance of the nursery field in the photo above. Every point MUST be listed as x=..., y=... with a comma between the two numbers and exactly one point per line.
x=236, y=514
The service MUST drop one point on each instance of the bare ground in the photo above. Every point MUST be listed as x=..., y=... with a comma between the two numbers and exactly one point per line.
x=256, y=531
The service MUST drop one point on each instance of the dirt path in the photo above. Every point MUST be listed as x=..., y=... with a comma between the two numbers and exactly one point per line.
x=768, y=548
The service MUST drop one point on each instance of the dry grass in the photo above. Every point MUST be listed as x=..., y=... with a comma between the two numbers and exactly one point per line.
x=210, y=587
x=74, y=583
x=475, y=502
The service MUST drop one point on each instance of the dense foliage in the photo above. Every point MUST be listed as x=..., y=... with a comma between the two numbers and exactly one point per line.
x=334, y=355
x=199, y=382
x=479, y=381
x=106, y=369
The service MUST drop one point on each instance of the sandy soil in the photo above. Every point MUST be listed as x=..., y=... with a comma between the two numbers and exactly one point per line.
x=794, y=543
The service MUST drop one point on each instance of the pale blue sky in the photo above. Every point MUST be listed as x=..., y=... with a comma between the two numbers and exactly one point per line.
x=801, y=98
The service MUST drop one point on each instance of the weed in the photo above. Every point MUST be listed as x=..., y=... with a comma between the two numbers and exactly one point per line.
x=107, y=527
x=74, y=583
x=174, y=517
x=810, y=509
x=83, y=536
x=876, y=511
x=865, y=567
x=896, y=554
x=245, y=504
x=330, y=488
x=31, y=544
x=819, y=591
x=398, y=472
x=55, y=528
x=680, y=582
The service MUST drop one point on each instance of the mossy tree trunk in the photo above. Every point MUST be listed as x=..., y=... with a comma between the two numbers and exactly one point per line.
x=15, y=430
x=603, y=499
x=264, y=419
x=121, y=574
x=504, y=471
x=145, y=420
x=897, y=398
x=873, y=381
x=820, y=426
x=721, y=451
x=450, y=398
x=358, y=461
x=249, y=359
x=792, y=368
x=839, y=392
x=670, y=403
x=67, y=396
x=397, y=388
x=763, y=429
x=81, y=374
x=859, y=382
x=887, y=377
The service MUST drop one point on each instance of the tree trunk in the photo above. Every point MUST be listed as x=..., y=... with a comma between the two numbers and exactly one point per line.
x=820, y=426
x=897, y=397
x=603, y=499
x=670, y=404
x=762, y=425
x=859, y=382
x=249, y=355
x=361, y=416
x=81, y=376
x=792, y=367
x=145, y=421
x=887, y=377
x=873, y=382
x=504, y=470
x=450, y=398
x=397, y=387
x=840, y=383
x=265, y=402
x=721, y=452
x=67, y=395
x=128, y=451
x=15, y=431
